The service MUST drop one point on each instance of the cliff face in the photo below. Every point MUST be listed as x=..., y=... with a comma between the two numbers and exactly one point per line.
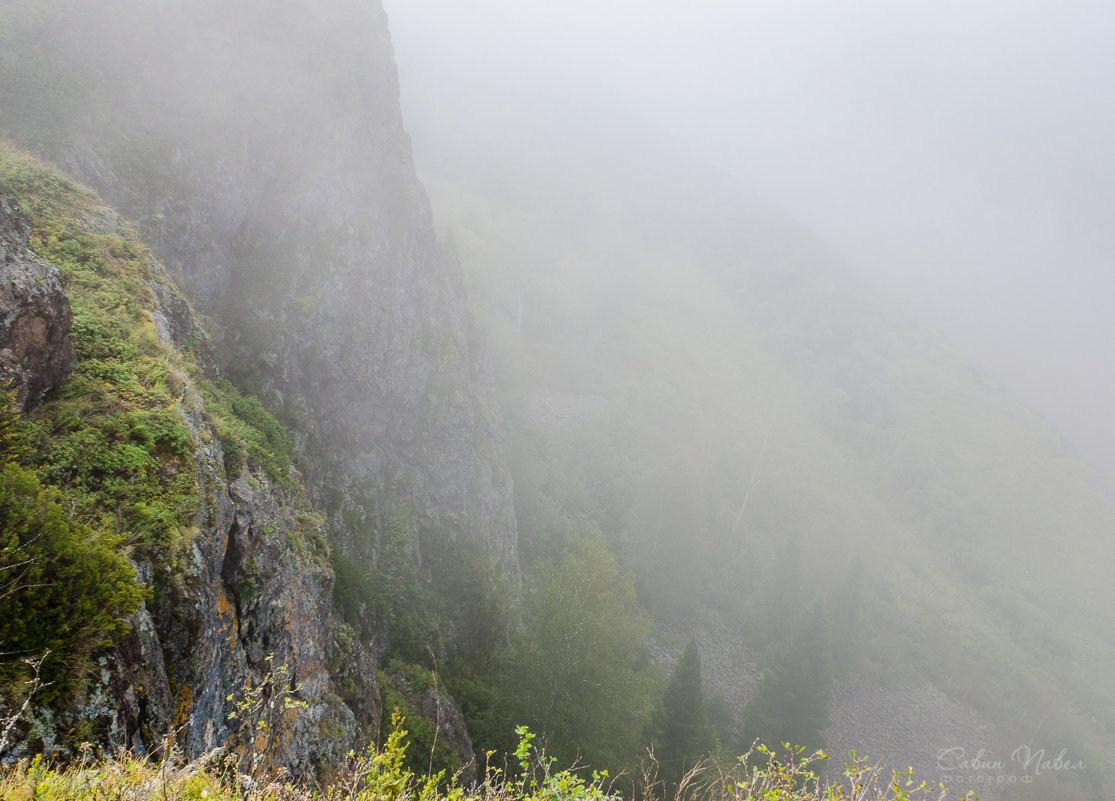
x=238, y=571
x=261, y=149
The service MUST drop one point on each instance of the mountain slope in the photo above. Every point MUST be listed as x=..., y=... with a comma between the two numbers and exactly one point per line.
x=765, y=445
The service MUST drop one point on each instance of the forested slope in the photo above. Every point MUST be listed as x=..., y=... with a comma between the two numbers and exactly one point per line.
x=875, y=545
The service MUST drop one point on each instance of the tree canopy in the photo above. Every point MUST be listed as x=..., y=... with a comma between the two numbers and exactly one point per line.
x=576, y=672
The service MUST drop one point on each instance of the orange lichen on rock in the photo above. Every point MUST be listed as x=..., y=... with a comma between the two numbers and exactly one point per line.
x=185, y=698
x=226, y=616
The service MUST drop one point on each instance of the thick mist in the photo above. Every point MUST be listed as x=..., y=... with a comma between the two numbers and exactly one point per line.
x=955, y=154
x=691, y=356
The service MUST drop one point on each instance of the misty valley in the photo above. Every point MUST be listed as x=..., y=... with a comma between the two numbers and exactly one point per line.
x=389, y=413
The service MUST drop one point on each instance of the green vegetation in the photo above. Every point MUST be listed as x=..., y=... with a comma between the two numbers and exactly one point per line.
x=104, y=469
x=114, y=435
x=383, y=593
x=447, y=620
x=385, y=775
x=249, y=434
x=403, y=686
x=693, y=446
x=682, y=735
x=757, y=442
x=792, y=700
x=112, y=439
x=576, y=668
x=63, y=588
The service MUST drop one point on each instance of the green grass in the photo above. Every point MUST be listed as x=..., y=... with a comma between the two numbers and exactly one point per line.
x=384, y=776
x=113, y=438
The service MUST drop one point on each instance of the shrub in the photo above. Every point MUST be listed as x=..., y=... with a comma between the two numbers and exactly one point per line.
x=66, y=588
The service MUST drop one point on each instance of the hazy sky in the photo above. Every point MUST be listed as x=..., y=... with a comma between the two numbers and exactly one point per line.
x=960, y=153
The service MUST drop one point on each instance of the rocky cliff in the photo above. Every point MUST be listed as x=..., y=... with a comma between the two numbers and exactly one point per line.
x=259, y=149
x=238, y=572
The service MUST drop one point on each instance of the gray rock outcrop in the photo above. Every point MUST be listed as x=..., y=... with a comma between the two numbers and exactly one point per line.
x=35, y=318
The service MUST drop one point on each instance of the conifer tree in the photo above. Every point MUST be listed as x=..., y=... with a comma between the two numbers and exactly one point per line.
x=683, y=734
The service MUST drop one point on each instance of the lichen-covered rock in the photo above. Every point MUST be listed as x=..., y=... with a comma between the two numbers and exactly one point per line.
x=253, y=593
x=176, y=324
x=353, y=668
x=35, y=349
x=437, y=705
x=130, y=704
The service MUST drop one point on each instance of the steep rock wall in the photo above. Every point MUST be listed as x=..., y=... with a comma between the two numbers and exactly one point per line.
x=260, y=147
x=248, y=588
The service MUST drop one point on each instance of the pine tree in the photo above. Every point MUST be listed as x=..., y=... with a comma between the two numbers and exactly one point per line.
x=683, y=733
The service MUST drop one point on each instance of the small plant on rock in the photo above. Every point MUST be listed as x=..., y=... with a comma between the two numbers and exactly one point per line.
x=264, y=710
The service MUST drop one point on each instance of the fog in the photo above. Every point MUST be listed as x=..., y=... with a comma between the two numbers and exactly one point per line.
x=676, y=361
x=957, y=154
